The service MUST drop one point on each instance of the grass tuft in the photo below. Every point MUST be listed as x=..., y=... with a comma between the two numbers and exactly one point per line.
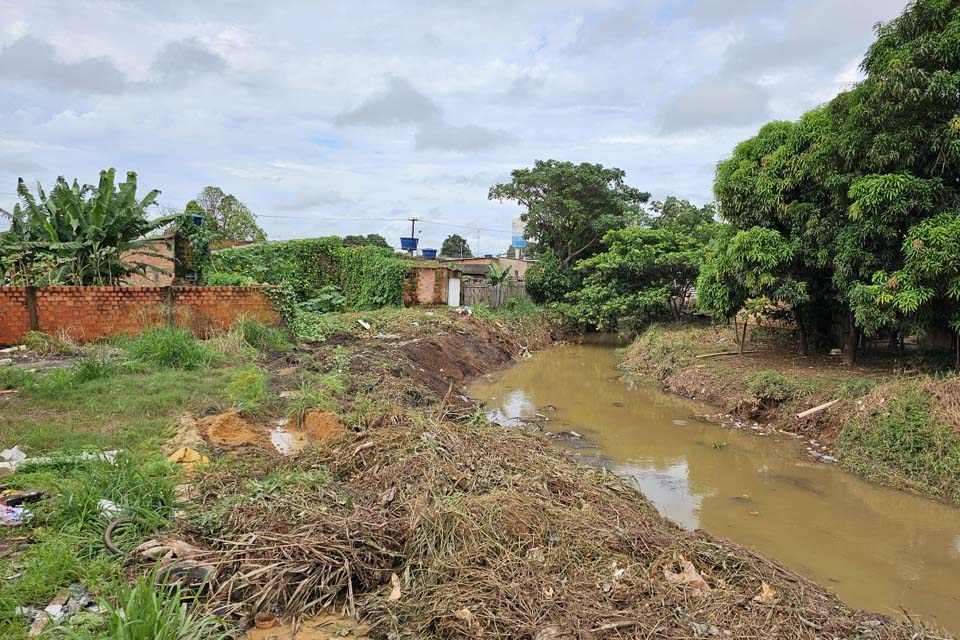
x=170, y=347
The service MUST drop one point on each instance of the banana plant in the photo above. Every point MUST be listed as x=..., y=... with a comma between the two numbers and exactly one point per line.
x=77, y=235
x=496, y=276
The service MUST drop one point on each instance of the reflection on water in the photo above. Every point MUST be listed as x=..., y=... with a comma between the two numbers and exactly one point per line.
x=877, y=548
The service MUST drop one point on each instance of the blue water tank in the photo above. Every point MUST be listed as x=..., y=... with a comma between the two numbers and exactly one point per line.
x=408, y=243
x=429, y=254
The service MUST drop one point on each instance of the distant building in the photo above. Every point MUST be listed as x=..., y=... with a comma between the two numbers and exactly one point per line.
x=477, y=267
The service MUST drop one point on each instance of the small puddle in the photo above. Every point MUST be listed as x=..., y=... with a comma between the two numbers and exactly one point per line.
x=285, y=441
x=877, y=548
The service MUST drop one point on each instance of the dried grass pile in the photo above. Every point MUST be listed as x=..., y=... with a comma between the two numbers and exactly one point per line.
x=441, y=529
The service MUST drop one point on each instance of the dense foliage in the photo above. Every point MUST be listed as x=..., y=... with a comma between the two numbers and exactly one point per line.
x=322, y=274
x=864, y=191
x=642, y=274
x=456, y=246
x=77, y=235
x=305, y=266
x=372, y=277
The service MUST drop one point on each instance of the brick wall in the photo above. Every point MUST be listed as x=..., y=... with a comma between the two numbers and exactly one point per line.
x=158, y=253
x=89, y=313
x=428, y=285
x=14, y=314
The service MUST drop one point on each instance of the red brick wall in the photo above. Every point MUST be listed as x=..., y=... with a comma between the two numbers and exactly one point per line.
x=89, y=313
x=428, y=286
x=14, y=314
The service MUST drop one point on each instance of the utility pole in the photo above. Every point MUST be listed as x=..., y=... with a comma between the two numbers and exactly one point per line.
x=413, y=230
x=479, y=255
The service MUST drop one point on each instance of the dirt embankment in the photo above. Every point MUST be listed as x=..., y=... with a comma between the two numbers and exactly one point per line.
x=425, y=522
x=887, y=420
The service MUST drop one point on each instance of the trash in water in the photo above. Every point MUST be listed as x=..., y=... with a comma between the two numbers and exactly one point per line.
x=14, y=516
x=680, y=423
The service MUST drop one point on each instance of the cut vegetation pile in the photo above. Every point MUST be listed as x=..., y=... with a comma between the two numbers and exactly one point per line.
x=431, y=528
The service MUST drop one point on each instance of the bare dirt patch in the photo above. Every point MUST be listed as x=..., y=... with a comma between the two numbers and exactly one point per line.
x=230, y=430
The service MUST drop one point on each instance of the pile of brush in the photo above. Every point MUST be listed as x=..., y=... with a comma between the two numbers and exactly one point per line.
x=431, y=528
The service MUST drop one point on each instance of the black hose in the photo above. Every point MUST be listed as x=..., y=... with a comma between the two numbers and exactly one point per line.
x=109, y=531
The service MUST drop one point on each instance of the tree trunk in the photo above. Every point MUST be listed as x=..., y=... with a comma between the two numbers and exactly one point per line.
x=736, y=331
x=743, y=338
x=804, y=338
x=850, y=344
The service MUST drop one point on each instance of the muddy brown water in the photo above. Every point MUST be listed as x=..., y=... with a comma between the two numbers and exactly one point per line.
x=876, y=548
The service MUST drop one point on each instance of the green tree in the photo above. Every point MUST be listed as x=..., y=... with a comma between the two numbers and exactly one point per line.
x=225, y=216
x=570, y=207
x=456, y=246
x=643, y=273
x=749, y=269
x=77, y=235
x=684, y=217
x=369, y=240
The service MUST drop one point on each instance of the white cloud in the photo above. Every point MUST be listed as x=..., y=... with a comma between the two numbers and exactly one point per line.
x=385, y=109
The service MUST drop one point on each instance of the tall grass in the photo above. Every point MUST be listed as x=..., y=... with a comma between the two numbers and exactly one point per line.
x=264, y=338
x=316, y=393
x=247, y=389
x=147, y=612
x=170, y=347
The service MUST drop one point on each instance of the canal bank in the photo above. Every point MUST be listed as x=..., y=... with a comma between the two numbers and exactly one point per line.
x=875, y=547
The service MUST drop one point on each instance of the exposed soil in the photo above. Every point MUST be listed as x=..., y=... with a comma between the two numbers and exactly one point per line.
x=229, y=431
x=320, y=427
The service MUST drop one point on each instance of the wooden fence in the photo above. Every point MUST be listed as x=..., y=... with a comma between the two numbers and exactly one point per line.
x=483, y=294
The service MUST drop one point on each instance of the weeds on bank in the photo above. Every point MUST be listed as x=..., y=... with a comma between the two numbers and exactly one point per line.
x=43, y=344
x=247, y=389
x=900, y=443
x=316, y=393
x=659, y=352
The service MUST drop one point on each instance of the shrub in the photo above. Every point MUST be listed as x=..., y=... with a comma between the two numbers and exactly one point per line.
x=170, y=347
x=548, y=281
x=372, y=277
x=44, y=344
x=247, y=389
x=328, y=299
x=770, y=388
x=517, y=307
x=227, y=279
x=315, y=326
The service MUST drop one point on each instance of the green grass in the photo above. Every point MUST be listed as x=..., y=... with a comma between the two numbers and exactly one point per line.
x=770, y=387
x=901, y=444
x=55, y=410
x=318, y=393
x=43, y=344
x=170, y=347
x=148, y=612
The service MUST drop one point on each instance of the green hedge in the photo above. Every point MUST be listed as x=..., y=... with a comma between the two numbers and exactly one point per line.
x=370, y=277
x=305, y=266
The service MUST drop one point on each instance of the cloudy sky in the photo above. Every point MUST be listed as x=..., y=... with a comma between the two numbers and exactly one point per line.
x=314, y=113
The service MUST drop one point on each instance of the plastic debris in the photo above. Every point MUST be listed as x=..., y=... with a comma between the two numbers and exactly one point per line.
x=688, y=577
x=187, y=457
x=365, y=325
x=14, y=516
x=108, y=508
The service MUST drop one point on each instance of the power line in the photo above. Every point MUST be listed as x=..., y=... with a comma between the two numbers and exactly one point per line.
x=436, y=222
